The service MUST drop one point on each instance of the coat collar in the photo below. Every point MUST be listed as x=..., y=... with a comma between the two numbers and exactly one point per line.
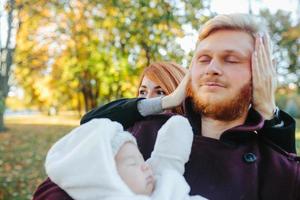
x=254, y=122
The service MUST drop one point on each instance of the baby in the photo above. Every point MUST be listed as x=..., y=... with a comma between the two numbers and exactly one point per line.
x=99, y=160
x=133, y=170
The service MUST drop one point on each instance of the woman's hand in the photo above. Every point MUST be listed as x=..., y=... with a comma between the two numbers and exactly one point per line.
x=264, y=79
x=177, y=96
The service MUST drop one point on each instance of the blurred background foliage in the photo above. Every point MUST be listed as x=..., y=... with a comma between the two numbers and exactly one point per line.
x=76, y=55
x=73, y=55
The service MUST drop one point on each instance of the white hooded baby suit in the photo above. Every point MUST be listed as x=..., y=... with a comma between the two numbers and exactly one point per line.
x=82, y=163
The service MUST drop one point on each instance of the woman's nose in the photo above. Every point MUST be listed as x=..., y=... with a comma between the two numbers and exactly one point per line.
x=150, y=94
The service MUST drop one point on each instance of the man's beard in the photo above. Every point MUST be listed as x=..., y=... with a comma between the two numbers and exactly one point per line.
x=227, y=110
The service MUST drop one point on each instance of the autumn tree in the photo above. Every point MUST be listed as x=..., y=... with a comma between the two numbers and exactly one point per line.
x=285, y=34
x=78, y=54
x=6, y=61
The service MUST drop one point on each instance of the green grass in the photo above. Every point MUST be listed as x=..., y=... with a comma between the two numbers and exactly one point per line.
x=23, y=149
x=22, y=152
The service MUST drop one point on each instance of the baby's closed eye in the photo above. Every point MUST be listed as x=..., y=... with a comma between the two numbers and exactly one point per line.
x=131, y=162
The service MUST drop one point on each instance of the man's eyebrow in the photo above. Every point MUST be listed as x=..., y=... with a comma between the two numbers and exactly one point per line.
x=157, y=87
x=143, y=86
x=229, y=51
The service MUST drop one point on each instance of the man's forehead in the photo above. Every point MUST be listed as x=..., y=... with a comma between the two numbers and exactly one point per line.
x=229, y=41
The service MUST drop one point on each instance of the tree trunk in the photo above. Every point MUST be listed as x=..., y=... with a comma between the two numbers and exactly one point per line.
x=6, y=65
x=79, y=109
x=3, y=128
x=85, y=99
x=147, y=52
x=2, y=98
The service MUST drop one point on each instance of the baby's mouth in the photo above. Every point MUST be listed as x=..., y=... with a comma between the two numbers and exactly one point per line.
x=150, y=180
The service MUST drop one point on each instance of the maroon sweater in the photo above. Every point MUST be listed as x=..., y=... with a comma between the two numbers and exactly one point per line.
x=243, y=164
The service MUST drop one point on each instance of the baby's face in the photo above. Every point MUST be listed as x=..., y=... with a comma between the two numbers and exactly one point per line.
x=133, y=170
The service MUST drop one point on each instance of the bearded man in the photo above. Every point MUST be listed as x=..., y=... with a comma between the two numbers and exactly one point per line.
x=243, y=145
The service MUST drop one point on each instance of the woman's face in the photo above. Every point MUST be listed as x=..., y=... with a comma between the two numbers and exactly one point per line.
x=150, y=89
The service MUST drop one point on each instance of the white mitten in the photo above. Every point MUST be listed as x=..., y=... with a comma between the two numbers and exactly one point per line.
x=173, y=145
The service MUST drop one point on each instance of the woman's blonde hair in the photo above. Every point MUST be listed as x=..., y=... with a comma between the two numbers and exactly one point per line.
x=167, y=75
x=240, y=22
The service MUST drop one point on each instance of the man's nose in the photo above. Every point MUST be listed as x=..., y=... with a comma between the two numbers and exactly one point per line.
x=214, y=68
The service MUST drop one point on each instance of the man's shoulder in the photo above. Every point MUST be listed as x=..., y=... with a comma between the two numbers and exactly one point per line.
x=50, y=191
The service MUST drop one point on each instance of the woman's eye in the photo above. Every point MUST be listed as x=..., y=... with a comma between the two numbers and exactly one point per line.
x=142, y=92
x=160, y=92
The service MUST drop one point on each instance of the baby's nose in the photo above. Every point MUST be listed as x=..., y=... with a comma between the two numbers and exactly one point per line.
x=146, y=167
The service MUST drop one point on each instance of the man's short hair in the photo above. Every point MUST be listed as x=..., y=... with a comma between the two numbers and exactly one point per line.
x=240, y=22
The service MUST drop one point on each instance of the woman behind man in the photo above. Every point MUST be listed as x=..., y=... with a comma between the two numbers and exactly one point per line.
x=160, y=79
x=157, y=80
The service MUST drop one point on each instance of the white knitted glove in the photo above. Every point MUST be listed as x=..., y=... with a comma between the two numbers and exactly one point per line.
x=173, y=145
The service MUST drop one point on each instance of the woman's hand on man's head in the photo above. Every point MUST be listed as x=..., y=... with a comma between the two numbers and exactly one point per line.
x=177, y=96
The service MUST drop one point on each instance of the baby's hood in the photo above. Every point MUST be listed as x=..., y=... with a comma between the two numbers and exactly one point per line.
x=82, y=162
